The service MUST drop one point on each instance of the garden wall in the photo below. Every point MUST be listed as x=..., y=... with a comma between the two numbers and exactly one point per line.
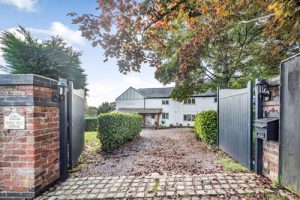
x=271, y=148
x=29, y=154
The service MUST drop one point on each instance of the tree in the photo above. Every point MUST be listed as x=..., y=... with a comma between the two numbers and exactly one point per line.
x=191, y=42
x=91, y=111
x=229, y=60
x=51, y=58
x=106, y=107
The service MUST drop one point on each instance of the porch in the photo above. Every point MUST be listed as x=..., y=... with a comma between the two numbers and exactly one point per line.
x=150, y=116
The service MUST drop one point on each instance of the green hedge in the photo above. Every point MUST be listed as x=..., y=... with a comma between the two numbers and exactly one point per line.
x=91, y=123
x=117, y=128
x=206, y=126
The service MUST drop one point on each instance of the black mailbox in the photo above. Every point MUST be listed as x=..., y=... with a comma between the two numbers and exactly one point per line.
x=267, y=128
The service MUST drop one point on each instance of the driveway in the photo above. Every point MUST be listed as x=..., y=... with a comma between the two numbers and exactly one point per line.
x=161, y=164
x=165, y=151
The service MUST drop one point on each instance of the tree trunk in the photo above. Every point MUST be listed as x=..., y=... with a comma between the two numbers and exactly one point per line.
x=225, y=72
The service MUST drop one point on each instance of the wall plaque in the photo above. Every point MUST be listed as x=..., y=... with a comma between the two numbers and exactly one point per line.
x=14, y=121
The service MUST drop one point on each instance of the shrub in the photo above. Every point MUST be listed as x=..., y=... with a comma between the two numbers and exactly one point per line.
x=206, y=126
x=91, y=123
x=117, y=128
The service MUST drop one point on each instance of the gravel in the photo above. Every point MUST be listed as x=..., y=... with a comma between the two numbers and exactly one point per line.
x=165, y=151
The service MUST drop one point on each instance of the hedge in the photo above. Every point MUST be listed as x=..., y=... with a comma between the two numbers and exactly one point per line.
x=116, y=129
x=206, y=126
x=91, y=123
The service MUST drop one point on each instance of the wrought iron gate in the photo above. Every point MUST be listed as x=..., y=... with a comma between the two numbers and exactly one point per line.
x=235, y=108
x=289, y=124
x=71, y=128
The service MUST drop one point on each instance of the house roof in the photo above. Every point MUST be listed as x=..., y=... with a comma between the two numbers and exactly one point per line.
x=155, y=92
x=166, y=93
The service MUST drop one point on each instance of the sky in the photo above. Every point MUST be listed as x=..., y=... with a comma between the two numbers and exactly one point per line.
x=45, y=18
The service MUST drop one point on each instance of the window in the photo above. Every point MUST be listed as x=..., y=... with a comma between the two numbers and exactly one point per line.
x=189, y=101
x=165, y=102
x=165, y=115
x=189, y=118
x=216, y=99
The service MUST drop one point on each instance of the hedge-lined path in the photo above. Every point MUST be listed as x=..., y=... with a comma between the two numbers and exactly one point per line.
x=171, y=151
x=203, y=186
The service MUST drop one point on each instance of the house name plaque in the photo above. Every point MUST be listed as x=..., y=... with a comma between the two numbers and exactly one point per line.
x=14, y=121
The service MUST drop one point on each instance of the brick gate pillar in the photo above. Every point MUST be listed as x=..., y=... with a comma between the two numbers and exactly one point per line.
x=29, y=153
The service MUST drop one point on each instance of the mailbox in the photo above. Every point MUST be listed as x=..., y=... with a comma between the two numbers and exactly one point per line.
x=267, y=128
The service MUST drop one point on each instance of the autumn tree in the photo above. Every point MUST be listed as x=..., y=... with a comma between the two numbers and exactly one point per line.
x=195, y=43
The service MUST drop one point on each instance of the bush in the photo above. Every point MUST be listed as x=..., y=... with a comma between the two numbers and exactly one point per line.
x=91, y=123
x=206, y=126
x=117, y=128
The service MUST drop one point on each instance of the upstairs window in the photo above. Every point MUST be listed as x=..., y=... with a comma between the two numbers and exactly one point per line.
x=189, y=118
x=189, y=101
x=165, y=102
x=165, y=115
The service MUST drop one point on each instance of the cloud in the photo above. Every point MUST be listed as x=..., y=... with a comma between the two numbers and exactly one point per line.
x=16, y=32
x=102, y=91
x=2, y=61
x=138, y=82
x=58, y=28
x=26, y=5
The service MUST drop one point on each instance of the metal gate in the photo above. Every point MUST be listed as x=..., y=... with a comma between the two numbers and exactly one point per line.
x=76, y=103
x=235, y=108
x=71, y=128
x=290, y=124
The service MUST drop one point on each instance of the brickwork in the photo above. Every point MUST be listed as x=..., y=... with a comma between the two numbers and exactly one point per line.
x=271, y=148
x=271, y=159
x=29, y=159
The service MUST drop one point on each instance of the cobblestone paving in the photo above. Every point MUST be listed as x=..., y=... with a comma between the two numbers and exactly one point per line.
x=156, y=187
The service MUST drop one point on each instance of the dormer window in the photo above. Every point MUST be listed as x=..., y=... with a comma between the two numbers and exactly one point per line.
x=165, y=102
x=189, y=101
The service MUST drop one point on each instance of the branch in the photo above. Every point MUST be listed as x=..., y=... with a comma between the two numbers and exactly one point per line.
x=161, y=16
x=263, y=18
x=208, y=73
x=5, y=69
x=259, y=19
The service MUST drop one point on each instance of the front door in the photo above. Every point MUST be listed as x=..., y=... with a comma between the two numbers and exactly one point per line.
x=149, y=120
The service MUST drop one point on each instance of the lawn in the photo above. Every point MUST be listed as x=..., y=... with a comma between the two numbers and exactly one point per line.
x=91, y=146
x=91, y=141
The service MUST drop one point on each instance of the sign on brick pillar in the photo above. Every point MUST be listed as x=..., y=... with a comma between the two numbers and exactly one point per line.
x=29, y=135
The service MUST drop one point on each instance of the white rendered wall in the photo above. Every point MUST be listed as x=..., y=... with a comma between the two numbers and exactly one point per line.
x=171, y=109
x=177, y=109
x=132, y=99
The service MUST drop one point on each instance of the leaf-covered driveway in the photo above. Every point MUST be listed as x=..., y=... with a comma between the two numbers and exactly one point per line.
x=161, y=164
x=171, y=151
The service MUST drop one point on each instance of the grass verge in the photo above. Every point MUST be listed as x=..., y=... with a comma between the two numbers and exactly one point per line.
x=91, y=146
x=230, y=165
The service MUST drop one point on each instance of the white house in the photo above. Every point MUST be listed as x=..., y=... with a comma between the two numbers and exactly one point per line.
x=157, y=107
